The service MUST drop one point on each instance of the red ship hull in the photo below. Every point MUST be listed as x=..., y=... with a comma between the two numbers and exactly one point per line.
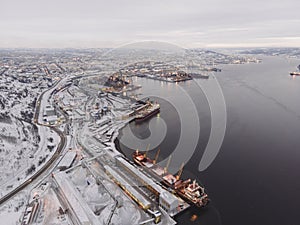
x=177, y=186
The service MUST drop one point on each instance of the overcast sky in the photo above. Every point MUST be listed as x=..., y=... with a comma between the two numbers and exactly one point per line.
x=198, y=23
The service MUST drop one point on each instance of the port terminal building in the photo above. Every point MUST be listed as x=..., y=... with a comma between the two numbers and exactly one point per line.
x=168, y=201
x=67, y=160
x=79, y=209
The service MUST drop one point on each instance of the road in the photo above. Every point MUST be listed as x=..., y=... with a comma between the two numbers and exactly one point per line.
x=47, y=165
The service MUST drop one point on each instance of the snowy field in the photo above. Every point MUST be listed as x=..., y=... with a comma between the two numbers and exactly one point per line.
x=12, y=211
x=24, y=146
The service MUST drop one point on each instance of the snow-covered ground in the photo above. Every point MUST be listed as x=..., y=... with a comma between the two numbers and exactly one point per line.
x=24, y=146
x=98, y=196
x=19, y=141
x=29, y=145
x=48, y=211
x=12, y=211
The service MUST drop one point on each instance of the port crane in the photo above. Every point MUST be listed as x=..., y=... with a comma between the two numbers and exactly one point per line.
x=168, y=164
x=156, y=156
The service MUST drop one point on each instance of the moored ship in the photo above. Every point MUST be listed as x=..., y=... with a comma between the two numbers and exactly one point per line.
x=189, y=190
x=295, y=73
x=150, y=110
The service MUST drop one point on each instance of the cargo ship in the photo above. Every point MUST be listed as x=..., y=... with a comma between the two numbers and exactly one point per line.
x=150, y=110
x=295, y=73
x=189, y=190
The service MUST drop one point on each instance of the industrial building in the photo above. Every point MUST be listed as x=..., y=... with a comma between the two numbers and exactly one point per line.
x=78, y=207
x=133, y=193
x=49, y=111
x=103, y=121
x=30, y=213
x=50, y=114
x=67, y=160
x=167, y=200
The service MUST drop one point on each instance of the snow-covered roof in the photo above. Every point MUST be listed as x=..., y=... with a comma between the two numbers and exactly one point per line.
x=139, y=174
x=103, y=121
x=80, y=112
x=168, y=197
x=51, y=118
x=128, y=187
x=76, y=202
x=68, y=159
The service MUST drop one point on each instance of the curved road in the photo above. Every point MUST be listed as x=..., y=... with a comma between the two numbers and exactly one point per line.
x=54, y=157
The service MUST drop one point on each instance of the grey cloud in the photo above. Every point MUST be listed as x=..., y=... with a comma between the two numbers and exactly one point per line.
x=94, y=23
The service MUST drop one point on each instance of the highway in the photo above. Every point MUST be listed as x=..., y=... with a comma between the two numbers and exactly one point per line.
x=47, y=165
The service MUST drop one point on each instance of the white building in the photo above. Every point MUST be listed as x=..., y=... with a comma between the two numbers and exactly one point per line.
x=49, y=111
x=67, y=160
x=77, y=205
x=50, y=114
x=168, y=201
x=103, y=121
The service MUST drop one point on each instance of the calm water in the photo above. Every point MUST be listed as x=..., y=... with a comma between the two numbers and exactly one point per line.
x=255, y=178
